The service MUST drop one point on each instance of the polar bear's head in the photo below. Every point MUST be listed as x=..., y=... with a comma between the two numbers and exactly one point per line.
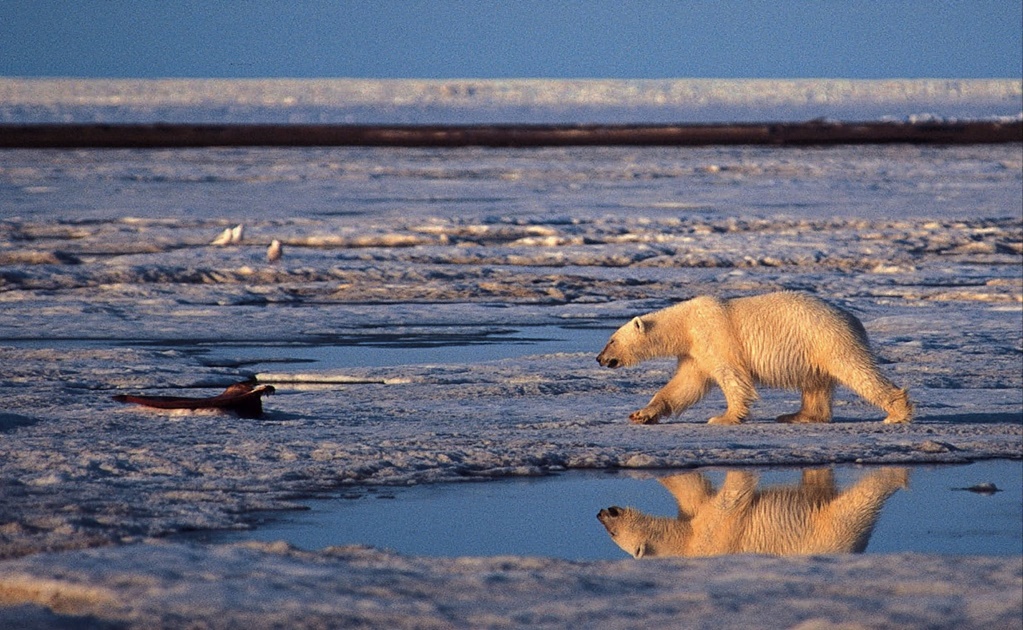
x=627, y=345
x=635, y=532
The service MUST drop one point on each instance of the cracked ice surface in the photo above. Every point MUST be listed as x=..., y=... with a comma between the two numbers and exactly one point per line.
x=109, y=283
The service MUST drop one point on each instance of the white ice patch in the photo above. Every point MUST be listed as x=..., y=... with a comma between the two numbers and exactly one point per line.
x=505, y=101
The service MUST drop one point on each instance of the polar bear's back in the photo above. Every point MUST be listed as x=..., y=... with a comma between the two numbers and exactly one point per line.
x=791, y=339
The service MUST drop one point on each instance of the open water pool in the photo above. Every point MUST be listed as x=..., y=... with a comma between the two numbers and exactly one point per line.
x=943, y=509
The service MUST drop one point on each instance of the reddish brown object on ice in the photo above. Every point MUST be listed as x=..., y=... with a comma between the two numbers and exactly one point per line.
x=243, y=399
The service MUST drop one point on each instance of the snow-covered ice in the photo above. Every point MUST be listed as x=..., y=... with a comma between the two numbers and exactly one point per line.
x=460, y=101
x=109, y=284
x=258, y=585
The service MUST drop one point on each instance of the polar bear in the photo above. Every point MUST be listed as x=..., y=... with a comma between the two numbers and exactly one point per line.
x=784, y=339
x=810, y=518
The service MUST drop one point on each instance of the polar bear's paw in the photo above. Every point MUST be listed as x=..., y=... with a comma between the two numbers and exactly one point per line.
x=800, y=418
x=645, y=416
x=725, y=419
x=899, y=407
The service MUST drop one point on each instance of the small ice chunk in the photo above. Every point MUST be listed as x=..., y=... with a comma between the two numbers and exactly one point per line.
x=230, y=236
x=274, y=252
x=224, y=238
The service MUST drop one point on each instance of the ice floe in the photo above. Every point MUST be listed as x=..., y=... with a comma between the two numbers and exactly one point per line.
x=109, y=285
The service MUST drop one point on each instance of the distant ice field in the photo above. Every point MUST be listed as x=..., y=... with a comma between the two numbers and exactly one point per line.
x=460, y=194
x=468, y=101
x=484, y=240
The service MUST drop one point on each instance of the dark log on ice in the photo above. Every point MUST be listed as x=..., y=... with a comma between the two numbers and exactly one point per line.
x=301, y=135
x=243, y=399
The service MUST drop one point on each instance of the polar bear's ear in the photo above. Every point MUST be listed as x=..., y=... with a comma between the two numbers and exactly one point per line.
x=638, y=324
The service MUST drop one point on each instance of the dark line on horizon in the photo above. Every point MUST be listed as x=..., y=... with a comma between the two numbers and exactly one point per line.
x=166, y=135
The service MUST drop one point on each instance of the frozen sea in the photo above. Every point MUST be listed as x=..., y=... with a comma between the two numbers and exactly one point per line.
x=435, y=317
x=468, y=101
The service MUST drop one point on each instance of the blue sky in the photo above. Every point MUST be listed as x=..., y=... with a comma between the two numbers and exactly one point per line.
x=513, y=38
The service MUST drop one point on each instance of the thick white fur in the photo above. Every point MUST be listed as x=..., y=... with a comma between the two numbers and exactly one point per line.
x=786, y=339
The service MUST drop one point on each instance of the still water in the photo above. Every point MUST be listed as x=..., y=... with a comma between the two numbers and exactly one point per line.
x=445, y=344
x=928, y=510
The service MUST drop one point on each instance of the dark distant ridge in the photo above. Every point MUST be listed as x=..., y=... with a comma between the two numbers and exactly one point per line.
x=327, y=135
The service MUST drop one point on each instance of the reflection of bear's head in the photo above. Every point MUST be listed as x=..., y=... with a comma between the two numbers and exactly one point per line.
x=639, y=535
x=627, y=346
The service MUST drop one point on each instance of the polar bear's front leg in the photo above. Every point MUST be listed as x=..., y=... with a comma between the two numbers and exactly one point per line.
x=686, y=387
x=651, y=414
x=737, y=387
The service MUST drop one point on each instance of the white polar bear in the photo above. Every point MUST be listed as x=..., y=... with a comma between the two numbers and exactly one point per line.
x=784, y=339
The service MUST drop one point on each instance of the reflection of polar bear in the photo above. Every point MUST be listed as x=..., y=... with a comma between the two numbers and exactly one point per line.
x=781, y=339
x=810, y=518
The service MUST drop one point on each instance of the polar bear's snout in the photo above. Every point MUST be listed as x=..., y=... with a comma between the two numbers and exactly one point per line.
x=606, y=360
x=607, y=516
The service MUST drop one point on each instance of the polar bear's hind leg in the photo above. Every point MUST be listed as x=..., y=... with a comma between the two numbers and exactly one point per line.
x=816, y=405
x=866, y=380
